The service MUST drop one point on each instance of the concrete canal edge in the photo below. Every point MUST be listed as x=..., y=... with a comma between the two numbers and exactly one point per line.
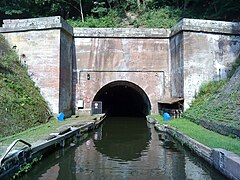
x=14, y=162
x=224, y=161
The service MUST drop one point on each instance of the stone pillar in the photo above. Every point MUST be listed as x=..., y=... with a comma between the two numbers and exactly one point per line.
x=202, y=51
x=44, y=45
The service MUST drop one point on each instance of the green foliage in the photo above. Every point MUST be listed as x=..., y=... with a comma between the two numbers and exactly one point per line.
x=26, y=168
x=159, y=117
x=21, y=105
x=210, y=88
x=204, y=136
x=150, y=13
x=202, y=106
x=234, y=67
x=42, y=131
x=110, y=20
x=217, y=102
x=14, y=7
x=215, y=9
x=130, y=5
x=165, y=17
x=99, y=9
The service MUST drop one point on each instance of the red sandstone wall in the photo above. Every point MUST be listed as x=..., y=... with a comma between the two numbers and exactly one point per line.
x=195, y=51
x=122, y=54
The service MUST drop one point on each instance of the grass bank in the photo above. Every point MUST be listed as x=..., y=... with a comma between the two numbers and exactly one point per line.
x=202, y=135
x=219, y=101
x=21, y=104
x=42, y=131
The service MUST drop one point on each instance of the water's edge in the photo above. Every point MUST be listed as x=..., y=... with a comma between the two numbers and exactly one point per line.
x=224, y=161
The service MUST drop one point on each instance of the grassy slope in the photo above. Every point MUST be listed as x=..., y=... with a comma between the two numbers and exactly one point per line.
x=204, y=136
x=21, y=105
x=218, y=102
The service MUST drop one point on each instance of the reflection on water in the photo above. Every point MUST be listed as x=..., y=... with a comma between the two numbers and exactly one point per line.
x=135, y=138
x=123, y=148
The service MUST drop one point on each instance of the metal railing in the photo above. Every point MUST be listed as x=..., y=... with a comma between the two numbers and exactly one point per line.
x=10, y=148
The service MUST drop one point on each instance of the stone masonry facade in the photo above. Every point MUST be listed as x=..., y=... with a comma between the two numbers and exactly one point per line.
x=164, y=63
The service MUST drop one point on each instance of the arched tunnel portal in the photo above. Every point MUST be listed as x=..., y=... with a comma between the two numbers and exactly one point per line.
x=123, y=98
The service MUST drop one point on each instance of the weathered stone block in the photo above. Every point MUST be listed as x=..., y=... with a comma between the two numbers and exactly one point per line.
x=226, y=162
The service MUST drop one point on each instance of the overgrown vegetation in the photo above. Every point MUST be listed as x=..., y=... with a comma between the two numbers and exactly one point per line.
x=26, y=168
x=165, y=17
x=204, y=136
x=112, y=19
x=122, y=13
x=21, y=105
x=219, y=101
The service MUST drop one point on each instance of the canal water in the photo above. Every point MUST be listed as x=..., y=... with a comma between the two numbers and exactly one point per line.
x=123, y=148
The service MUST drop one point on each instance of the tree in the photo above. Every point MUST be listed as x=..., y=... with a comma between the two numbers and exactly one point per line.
x=99, y=9
x=81, y=10
x=14, y=7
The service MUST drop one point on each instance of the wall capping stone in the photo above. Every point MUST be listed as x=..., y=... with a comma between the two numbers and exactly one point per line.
x=122, y=32
x=208, y=26
x=57, y=22
x=226, y=162
x=54, y=22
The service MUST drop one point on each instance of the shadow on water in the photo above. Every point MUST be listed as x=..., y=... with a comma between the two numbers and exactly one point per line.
x=123, y=148
x=124, y=138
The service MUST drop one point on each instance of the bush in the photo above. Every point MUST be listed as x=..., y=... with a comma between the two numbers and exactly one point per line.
x=165, y=17
x=112, y=19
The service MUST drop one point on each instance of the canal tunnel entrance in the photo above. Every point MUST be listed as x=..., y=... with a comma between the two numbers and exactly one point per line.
x=123, y=98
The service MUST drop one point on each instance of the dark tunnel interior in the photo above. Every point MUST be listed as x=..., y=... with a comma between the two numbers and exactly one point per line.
x=123, y=99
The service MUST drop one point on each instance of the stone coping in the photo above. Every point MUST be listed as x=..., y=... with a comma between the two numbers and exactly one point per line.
x=13, y=162
x=122, y=32
x=192, y=25
x=210, y=26
x=57, y=22
x=54, y=22
x=226, y=162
